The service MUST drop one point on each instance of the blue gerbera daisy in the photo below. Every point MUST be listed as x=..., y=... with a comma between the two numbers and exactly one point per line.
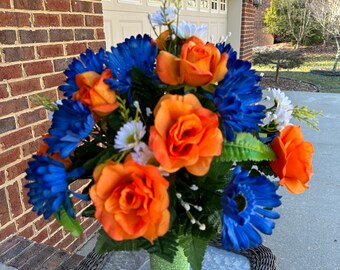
x=245, y=203
x=89, y=61
x=71, y=123
x=137, y=52
x=237, y=95
x=48, y=189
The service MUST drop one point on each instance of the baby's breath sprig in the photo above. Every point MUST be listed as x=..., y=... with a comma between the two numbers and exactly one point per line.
x=308, y=116
x=187, y=206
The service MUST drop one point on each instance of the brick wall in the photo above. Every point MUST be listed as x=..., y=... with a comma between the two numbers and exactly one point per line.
x=247, y=30
x=38, y=39
x=260, y=37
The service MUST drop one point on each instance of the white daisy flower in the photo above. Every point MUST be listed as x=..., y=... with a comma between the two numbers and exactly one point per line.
x=163, y=18
x=129, y=135
x=283, y=112
x=188, y=29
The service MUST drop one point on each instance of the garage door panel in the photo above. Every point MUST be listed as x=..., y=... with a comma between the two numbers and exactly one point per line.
x=123, y=18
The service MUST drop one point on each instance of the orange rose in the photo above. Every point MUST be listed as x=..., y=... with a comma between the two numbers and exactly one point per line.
x=161, y=40
x=294, y=159
x=131, y=200
x=199, y=64
x=95, y=93
x=185, y=134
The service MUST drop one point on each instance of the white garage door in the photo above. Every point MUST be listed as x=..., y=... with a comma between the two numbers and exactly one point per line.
x=123, y=18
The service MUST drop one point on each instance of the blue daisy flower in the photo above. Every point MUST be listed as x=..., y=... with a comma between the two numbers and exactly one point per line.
x=232, y=55
x=89, y=61
x=245, y=203
x=137, y=52
x=71, y=123
x=48, y=189
x=236, y=98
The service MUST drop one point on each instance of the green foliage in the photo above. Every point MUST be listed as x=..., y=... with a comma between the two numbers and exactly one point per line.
x=194, y=249
x=246, y=147
x=70, y=224
x=44, y=101
x=164, y=247
x=308, y=116
x=89, y=211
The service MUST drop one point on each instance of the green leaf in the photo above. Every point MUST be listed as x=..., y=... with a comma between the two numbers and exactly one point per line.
x=164, y=247
x=70, y=224
x=194, y=249
x=246, y=147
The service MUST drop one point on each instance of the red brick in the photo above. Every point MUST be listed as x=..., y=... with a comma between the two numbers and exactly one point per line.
x=31, y=117
x=72, y=20
x=15, y=138
x=3, y=91
x=23, y=182
x=75, y=48
x=4, y=211
x=91, y=230
x=9, y=156
x=18, y=54
x=54, y=226
x=95, y=46
x=7, y=124
x=54, y=80
x=62, y=64
x=31, y=147
x=45, y=20
x=100, y=33
x=2, y=177
x=55, y=260
x=5, y=232
x=14, y=199
x=57, y=35
x=41, y=236
x=41, y=128
x=55, y=238
x=25, y=86
x=13, y=105
x=50, y=51
x=33, y=36
x=27, y=233
x=15, y=19
x=26, y=219
x=10, y=72
x=28, y=5
x=80, y=6
x=71, y=248
x=5, y=4
x=66, y=241
x=17, y=169
x=91, y=20
x=58, y=5
x=98, y=8
x=40, y=67
x=7, y=36
x=84, y=34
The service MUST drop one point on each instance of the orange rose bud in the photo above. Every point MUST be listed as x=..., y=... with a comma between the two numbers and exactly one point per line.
x=161, y=40
x=185, y=134
x=199, y=64
x=294, y=159
x=131, y=200
x=43, y=151
x=95, y=93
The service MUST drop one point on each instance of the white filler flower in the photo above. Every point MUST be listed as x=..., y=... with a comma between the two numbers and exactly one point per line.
x=129, y=135
x=188, y=29
x=163, y=18
x=283, y=112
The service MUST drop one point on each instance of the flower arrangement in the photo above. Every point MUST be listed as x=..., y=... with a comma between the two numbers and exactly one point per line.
x=176, y=142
